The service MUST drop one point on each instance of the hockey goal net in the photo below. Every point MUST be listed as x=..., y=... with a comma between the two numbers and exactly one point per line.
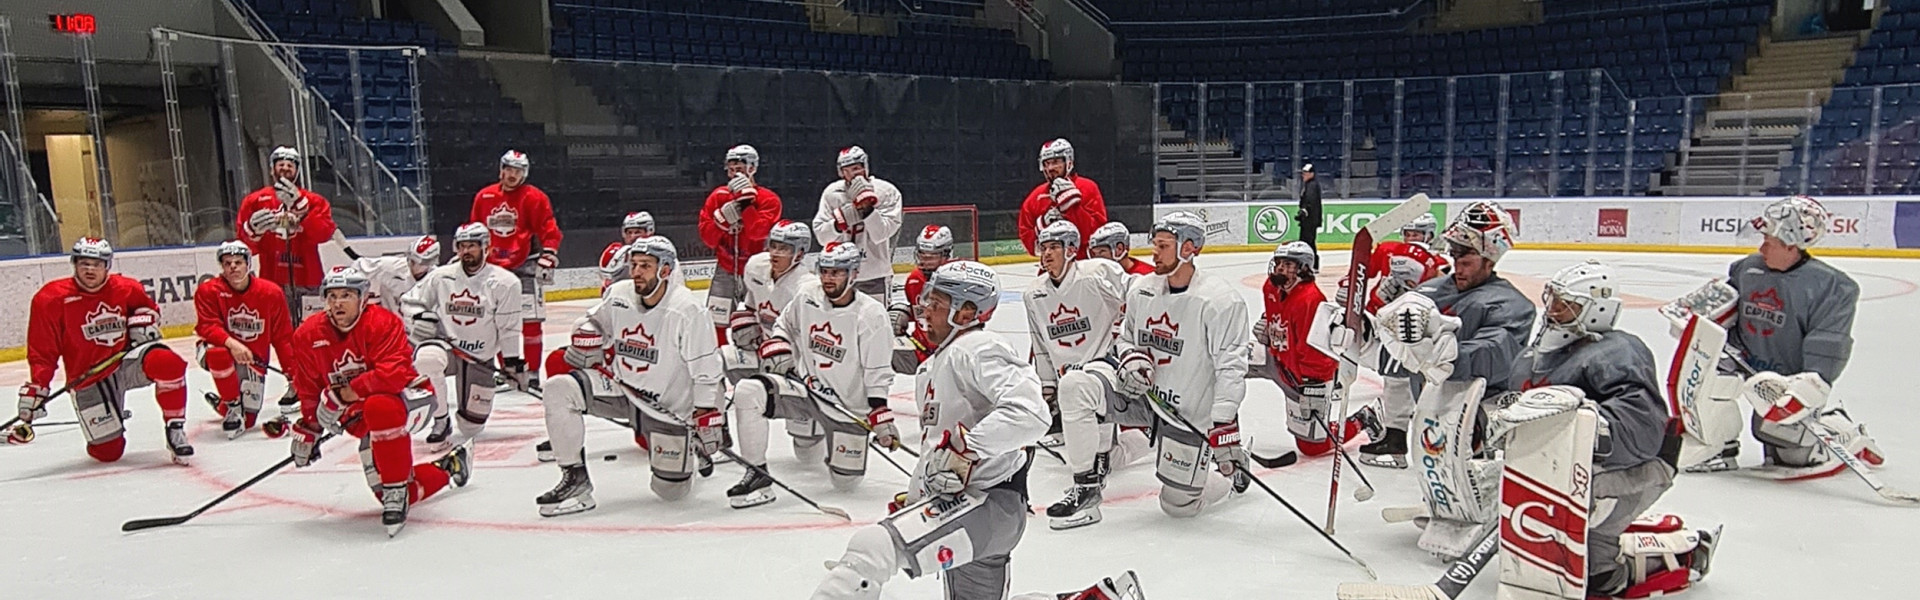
x=963, y=219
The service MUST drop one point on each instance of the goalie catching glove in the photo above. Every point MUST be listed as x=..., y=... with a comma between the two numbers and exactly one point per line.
x=1417, y=334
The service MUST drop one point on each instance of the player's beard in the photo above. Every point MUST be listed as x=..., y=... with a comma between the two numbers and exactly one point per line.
x=1160, y=269
x=646, y=286
x=836, y=293
x=471, y=262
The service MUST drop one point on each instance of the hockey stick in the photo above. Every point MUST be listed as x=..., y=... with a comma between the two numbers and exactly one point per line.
x=1154, y=395
x=1365, y=491
x=106, y=363
x=819, y=393
x=1835, y=448
x=474, y=360
x=1448, y=587
x=139, y=524
x=1275, y=462
x=636, y=394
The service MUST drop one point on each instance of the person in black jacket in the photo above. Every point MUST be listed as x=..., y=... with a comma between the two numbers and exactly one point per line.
x=1309, y=213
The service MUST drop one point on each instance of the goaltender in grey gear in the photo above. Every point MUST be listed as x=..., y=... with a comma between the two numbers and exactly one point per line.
x=1793, y=321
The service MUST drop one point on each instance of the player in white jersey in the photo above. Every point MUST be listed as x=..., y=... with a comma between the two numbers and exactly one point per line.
x=1072, y=310
x=865, y=211
x=391, y=276
x=773, y=279
x=459, y=317
x=1185, y=338
x=644, y=355
x=826, y=362
x=966, y=507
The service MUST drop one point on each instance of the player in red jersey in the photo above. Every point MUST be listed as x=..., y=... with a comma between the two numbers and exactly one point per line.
x=285, y=226
x=1396, y=268
x=354, y=373
x=1305, y=374
x=1064, y=195
x=1110, y=242
x=526, y=241
x=734, y=223
x=613, y=260
x=104, y=331
x=241, y=321
x=932, y=248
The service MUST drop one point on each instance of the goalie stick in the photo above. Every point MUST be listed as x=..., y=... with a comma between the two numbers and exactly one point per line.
x=1455, y=580
x=1357, y=279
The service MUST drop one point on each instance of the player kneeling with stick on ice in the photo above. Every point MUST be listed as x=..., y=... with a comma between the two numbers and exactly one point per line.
x=242, y=322
x=459, y=317
x=354, y=375
x=1306, y=376
x=643, y=356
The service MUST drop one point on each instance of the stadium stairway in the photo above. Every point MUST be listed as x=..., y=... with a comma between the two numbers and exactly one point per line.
x=1750, y=130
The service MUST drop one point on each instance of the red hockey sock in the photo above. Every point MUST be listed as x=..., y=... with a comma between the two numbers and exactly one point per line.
x=1350, y=429
x=226, y=381
x=168, y=372
x=720, y=333
x=1311, y=448
x=427, y=479
x=530, y=344
x=386, y=423
x=107, y=452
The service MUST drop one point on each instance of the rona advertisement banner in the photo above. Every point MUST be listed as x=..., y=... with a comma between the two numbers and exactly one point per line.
x=1271, y=224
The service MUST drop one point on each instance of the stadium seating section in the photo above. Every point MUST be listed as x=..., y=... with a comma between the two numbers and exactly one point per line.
x=1842, y=141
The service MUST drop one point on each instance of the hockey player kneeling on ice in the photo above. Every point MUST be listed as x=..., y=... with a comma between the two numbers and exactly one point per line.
x=459, y=315
x=1463, y=331
x=645, y=335
x=104, y=331
x=1579, y=359
x=1071, y=311
x=841, y=353
x=966, y=506
x=1785, y=312
x=772, y=280
x=242, y=322
x=932, y=248
x=1281, y=354
x=1185, y=338
x=1397, y=268
x=355, y=376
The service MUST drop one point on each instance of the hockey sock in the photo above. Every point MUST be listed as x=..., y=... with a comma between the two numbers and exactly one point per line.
x=108, y=451
x=386, y=422
x=557, y=363
x=1312, y=448
x=427, y=479
x=226, y=381
x=720, y=333
x=530, y=344
x=750, y=419
x=168, y=372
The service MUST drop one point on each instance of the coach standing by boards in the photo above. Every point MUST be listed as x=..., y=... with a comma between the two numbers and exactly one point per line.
x=1309, y=214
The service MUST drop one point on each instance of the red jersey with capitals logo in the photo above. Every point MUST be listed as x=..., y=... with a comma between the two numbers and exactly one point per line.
x=257, y=316
x=1289, y=317
x=1409, y=257
x=1088, y=215
x=295, y=257
x=518, y=219
x=373, y=357
x=637, y=348
x=78, y=329
x=823, y=342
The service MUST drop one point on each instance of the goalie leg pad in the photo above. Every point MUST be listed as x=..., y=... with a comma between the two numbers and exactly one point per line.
x=1619, y=498
x=1719, y=413
x=1546, y=493
x=1457, y=487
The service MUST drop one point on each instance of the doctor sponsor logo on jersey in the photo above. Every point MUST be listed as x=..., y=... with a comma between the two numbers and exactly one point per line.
x=636, y=346
x=244, y=323
x=822, y=341
x=1433, y=445
x=1161, y=336
x=1066, y=322
x=464, y=308
x=1762, y=312
x=1540, y=525
x=104, y=325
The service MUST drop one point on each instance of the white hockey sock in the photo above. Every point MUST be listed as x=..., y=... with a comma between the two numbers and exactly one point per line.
x=1079, y=393
x=565, y=403
x=431, y=363
x=749, y=416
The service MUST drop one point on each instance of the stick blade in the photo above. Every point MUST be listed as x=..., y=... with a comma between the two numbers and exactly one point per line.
x=1362, y=494
x=837, y=512
x=1900, y=497
x=1383, y=591
x=139, y=524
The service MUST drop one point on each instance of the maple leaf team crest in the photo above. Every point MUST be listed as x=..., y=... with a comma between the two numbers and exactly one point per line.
x=1067, y=322
x=636, y=346
x=1161, y=335
x=345, y=368
x=464, y=308
x=822, y=341
x=104, y=325
x=244, y=323
x=503, y=221
x=1763, y=312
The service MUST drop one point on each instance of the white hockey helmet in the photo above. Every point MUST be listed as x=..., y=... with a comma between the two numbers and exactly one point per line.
x=1798, y=221
x=792, y=233
x=1588, y=286
x=1062, y=231
x=346, y=278
x=1058, y=148
x=283, y=153
x=1111, y=235
x=425, y=250
x=852, y=155
x=967, y=281
x=1424, y=223
x=1483, y=227
x=745, y=154
x=934, y=239
x=233, y=248
x=1185, y=227
x=1299, y=253
x=472, y=232
x=92, y=247
x=658, y=247
x=515, y=159
x=840, y=255
x=641, y=220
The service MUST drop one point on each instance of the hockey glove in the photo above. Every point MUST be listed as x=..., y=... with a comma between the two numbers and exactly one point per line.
x=306, y=443
x=143, y=326
x=286, y=191
x=425, y=326
x=901, y=315
x=584, y=351
x=517, y=372
x=262, y=222
x=545, y=264
x=744, y=192
x=745, y=328
x=1065, y=194
x=1051, y=393
x=860, y=190
x=710, y=429
x=950, y=464
x=880, y=420
x=1136, y=373
x=33, y=400
x=1261, y=335
x=776, y=356
x=728, y=217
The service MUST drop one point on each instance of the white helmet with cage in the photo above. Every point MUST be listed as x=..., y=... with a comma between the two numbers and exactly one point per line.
x=1798, y=221
x=1588, y=286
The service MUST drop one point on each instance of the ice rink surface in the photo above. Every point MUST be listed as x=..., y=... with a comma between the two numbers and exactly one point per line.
x=315, y=532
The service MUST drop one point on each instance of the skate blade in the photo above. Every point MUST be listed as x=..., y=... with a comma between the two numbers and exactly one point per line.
x=235, y=434
x=394, y=529
x=751, y=500
x=1384, y=461
x=575, y=505
x=1085, y=518
x=183, y=460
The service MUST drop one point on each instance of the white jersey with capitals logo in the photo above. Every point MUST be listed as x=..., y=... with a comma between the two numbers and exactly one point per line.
x=1198, y=339
x=1072, y=322
x=848, y=348
x=767, y=296
x=389, y=278
x=663, y=351
x=480, y=312
x=977, y=381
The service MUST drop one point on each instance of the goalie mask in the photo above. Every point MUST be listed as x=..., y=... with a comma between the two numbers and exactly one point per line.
x=1798, y=221
x=1484, y=228
x=1588, y=290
